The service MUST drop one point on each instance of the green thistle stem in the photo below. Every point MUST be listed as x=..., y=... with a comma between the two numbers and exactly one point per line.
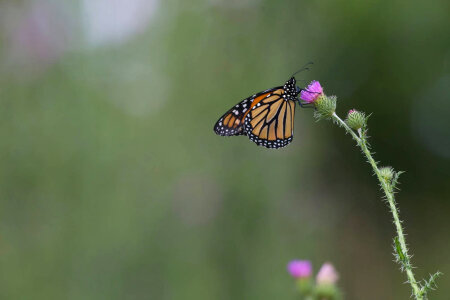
x=389, y=193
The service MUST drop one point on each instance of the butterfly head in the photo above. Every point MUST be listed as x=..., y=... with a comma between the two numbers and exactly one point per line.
x=291, y=90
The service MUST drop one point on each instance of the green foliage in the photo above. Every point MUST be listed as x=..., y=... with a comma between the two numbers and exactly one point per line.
x=429, y=284
x=398, y=248
x=394, y=181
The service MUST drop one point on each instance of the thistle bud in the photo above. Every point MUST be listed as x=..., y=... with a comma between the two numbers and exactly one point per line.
x=326, y=283
x=327, y=274
x=356, y=119
x=325, y=107
x=387, y=173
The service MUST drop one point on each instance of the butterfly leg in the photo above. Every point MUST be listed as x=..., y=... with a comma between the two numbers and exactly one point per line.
x=306, y=104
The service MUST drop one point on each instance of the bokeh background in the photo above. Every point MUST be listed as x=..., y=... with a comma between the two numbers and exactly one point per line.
x=113, y=184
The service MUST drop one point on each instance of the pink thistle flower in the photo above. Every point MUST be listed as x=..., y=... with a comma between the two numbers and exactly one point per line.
x=351, y=111
x=327, y=274
x=312, y=92
x=300, y=268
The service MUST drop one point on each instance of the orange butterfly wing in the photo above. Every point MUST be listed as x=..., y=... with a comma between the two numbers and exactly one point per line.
x=232, y=122
x=267, y=118
x=270, y=122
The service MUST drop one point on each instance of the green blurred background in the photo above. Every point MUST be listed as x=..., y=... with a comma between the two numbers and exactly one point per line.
x=113, y=184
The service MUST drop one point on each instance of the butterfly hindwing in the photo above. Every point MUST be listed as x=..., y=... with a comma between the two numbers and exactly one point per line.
x=270, y=121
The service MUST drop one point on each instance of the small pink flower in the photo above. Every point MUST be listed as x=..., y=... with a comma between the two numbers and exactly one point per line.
x=351, y=111
x=312, y=92
x=300, y=268
x=327, y=274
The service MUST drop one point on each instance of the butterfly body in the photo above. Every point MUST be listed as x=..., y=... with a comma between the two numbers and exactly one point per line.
x=267, y=118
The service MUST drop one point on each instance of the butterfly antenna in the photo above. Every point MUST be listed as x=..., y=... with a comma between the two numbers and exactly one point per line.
x=305, y=67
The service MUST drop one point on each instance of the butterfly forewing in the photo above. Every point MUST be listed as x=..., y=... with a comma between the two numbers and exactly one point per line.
x=232, y=122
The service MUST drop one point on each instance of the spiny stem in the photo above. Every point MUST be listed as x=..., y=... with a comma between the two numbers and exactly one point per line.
x=349, y=130
x=389, y=193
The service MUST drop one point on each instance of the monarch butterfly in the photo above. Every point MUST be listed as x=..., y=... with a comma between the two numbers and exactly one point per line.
x=267, y=118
